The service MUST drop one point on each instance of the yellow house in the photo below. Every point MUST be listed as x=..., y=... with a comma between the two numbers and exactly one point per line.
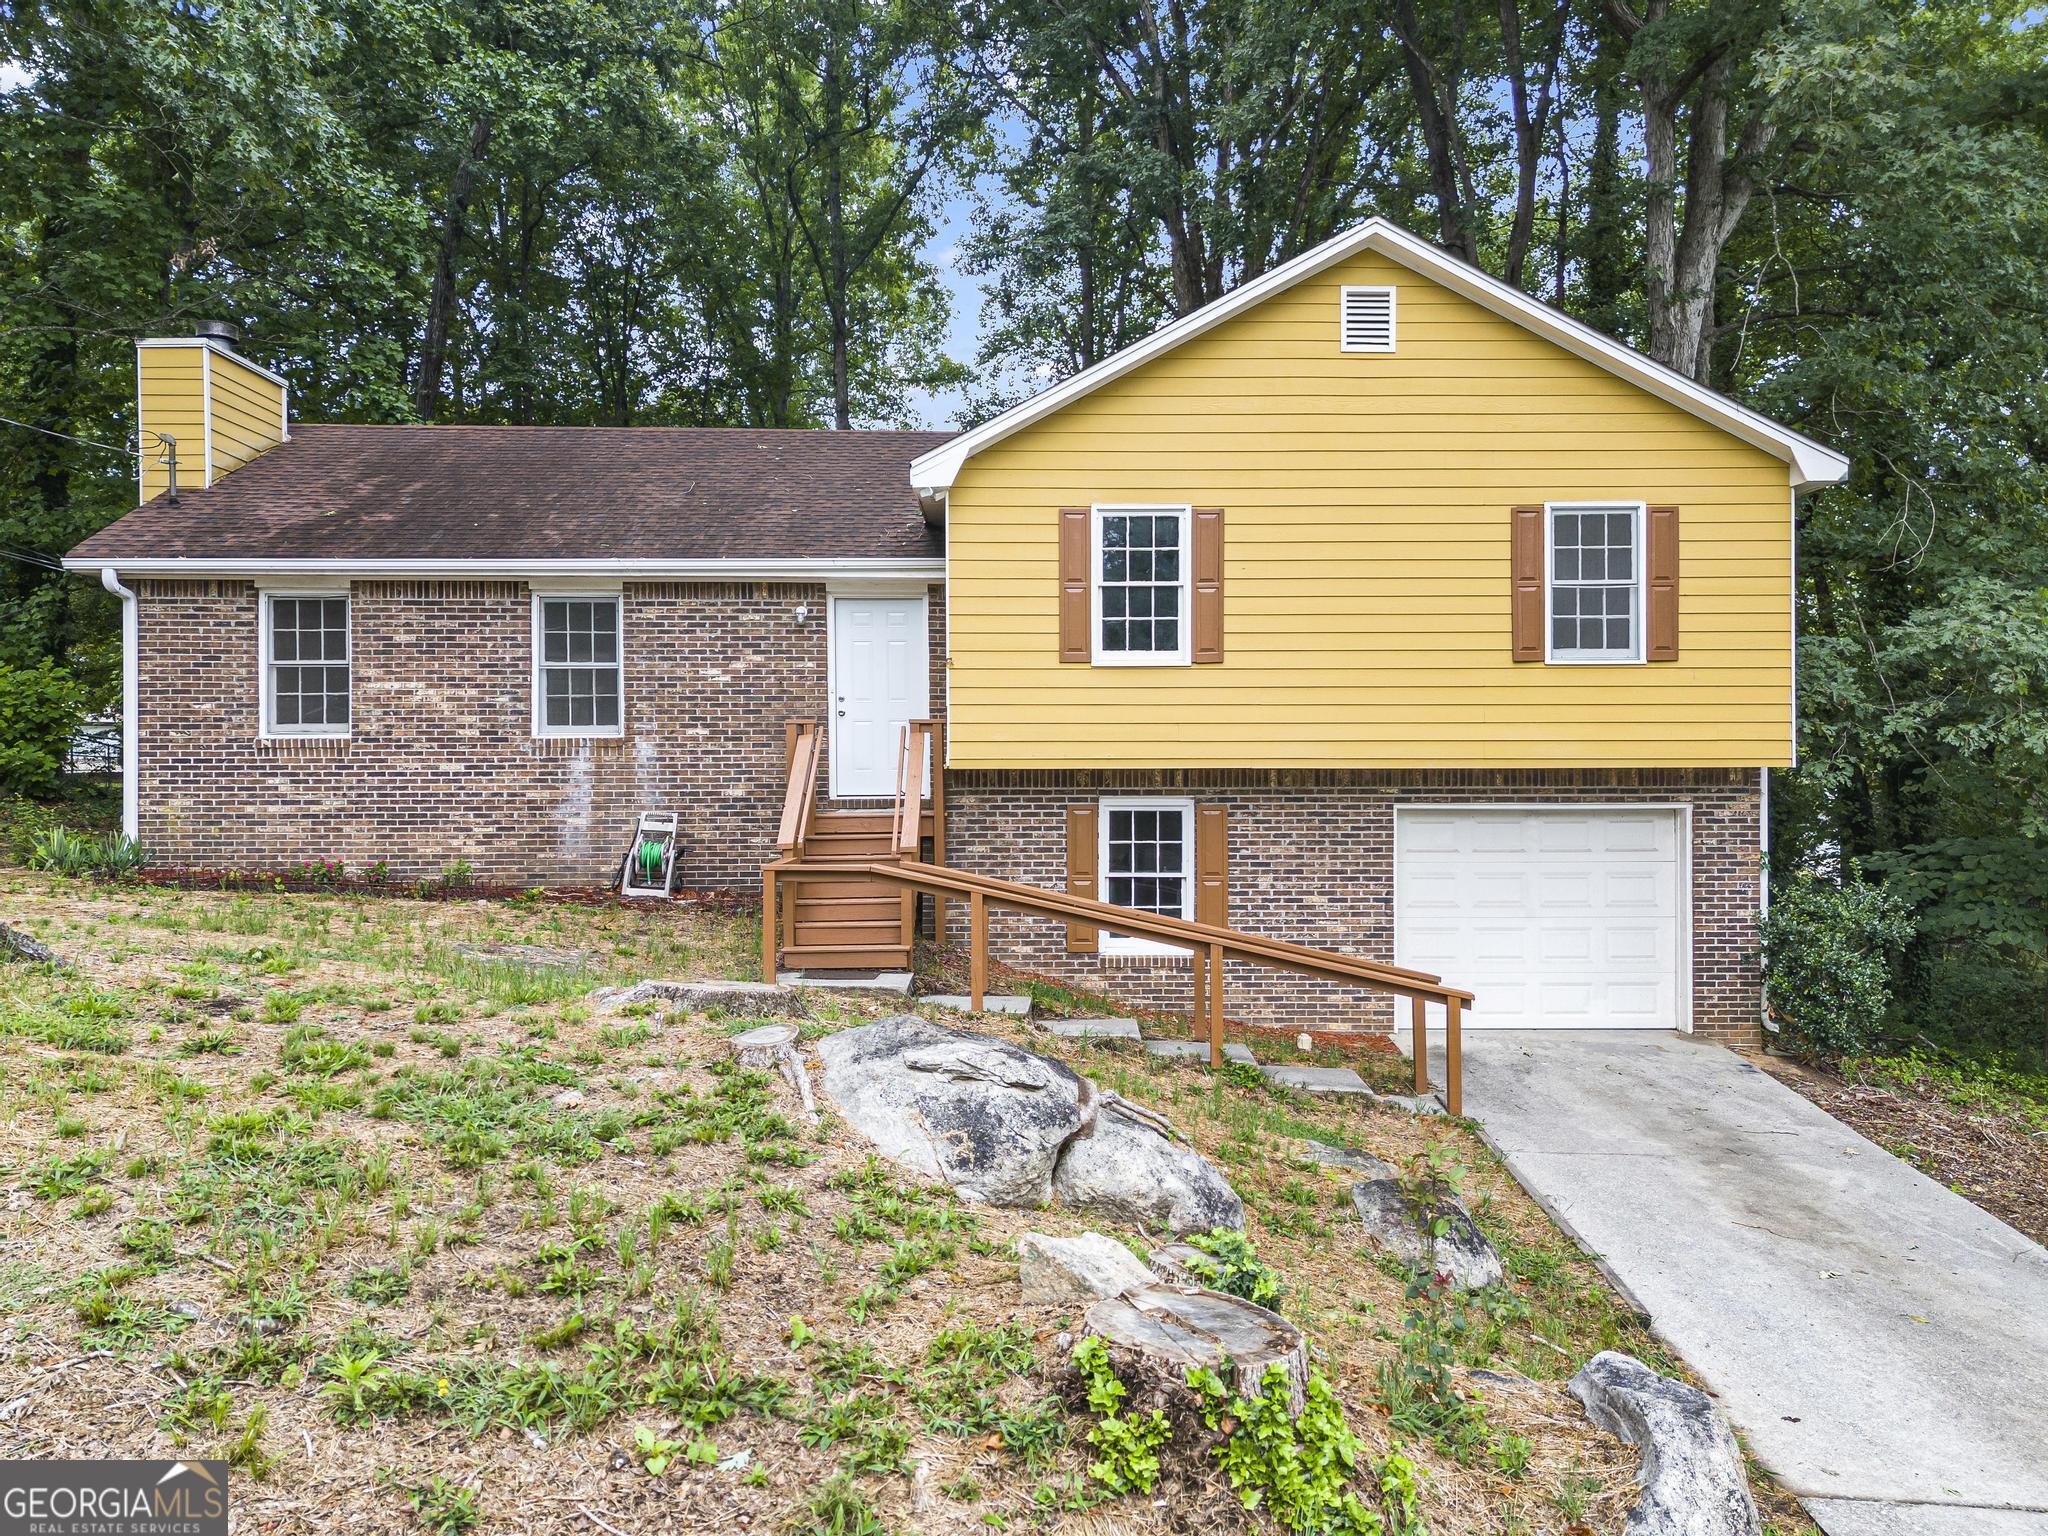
x=1377, y=608
x=1474, y=627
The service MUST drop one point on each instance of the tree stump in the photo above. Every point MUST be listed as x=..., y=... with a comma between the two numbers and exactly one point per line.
x=1156, y=1333
x=16, y=945
x=762, y=1048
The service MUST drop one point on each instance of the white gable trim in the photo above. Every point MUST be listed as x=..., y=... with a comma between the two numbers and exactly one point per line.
x=1811, y=464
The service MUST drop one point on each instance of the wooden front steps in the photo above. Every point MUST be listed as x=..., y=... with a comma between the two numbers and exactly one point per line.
x=855, y=924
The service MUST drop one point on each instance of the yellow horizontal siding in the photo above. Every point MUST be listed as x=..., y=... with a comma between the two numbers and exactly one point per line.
x=247, y=417
x=1366, y=556
x=173, y=403
x=248, y=412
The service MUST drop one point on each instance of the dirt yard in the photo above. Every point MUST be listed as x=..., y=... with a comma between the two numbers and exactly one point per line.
x=368, y=1197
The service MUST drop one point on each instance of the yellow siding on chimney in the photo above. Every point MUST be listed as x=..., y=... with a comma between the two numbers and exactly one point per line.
x=173, y=402
x=247, y=413
x=1367, y=497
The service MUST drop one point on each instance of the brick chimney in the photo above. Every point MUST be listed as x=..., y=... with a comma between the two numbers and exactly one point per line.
x=218, y=408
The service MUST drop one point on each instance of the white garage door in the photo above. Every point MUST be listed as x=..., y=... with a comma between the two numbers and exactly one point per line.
x=1553, y=919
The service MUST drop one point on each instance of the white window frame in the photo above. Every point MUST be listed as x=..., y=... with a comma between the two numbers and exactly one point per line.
x=1637, y=654
x=1343, y=309
x=1131, y=945
x=541, y=597
x=266, y=670
x=1183, y=654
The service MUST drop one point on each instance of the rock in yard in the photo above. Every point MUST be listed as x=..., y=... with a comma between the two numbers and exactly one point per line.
x=1394, y=1222
x=568, y=1098
x=1007, y=1126
x=16, y=945
x=1089, y=1267
x=1333, y=1156
x=1157, y=1332
x=1125, y=1165
x=1691, y=1476
x=986, y=1117
x=742, y=999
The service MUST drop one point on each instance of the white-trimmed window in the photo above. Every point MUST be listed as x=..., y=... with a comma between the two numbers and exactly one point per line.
x=578, y=678
x=1594, y=598
x=305, y=664
x=1147, y=863
x=1141, y=586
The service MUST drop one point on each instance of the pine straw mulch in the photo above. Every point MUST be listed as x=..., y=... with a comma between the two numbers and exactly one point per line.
x=1992, y=1157
x=187, y=965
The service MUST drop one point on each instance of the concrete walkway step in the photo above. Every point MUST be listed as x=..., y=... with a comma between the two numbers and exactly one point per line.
x=1318, y=1079
x=1018, y=1007
x=1198, y=1050
x=1094, y=1029
x=897, y=982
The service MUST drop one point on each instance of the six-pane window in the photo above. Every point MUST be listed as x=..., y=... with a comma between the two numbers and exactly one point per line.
x=1140, y=584
x=309, y=663
x=1595, y=582
x=1147, y=859
x=579, y=665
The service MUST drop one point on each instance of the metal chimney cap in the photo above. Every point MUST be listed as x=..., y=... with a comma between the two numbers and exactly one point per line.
x=217, y=330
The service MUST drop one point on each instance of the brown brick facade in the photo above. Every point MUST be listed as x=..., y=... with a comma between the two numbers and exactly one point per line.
x=442, y=765
x=1311, y=860
x=441, y=762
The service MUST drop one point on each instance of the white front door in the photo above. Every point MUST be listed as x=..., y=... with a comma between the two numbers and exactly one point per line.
x=881, y=657
x=1554, y=919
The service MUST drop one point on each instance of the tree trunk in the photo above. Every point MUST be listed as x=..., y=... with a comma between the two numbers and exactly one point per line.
x=426, y=393
x=1436, y=114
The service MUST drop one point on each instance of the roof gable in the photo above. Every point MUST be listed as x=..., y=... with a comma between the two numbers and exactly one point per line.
x=1810, y=464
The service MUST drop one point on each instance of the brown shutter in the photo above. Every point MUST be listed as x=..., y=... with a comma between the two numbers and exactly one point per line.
x=1526, y=604
x=1208, y=555
x=1081, y=846
x=1074, y=561
x=1212, y=865
x=1661, y=563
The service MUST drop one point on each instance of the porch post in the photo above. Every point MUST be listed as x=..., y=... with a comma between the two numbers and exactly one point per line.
x=1420, y=1029
x=1454, y=1064
x=768, y=926
x=977, y=945
x=1215, y=1005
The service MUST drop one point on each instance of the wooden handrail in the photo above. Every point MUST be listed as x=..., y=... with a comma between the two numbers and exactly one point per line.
x=800, y=799
x=1210, y=945
x=910, y=767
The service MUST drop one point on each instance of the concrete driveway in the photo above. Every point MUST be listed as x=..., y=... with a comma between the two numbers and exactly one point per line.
x=1880, y=1343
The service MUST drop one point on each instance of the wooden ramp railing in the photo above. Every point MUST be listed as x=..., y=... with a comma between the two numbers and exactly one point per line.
x=1211, y=946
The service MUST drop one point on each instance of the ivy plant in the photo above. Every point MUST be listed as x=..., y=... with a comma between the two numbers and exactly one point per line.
x=1127, y=1445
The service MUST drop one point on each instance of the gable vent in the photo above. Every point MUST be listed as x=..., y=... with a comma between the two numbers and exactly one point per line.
x=1368, y=320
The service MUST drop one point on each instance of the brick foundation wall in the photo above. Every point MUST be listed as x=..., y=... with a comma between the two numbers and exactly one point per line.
x=1311, y=860
x=441, y=763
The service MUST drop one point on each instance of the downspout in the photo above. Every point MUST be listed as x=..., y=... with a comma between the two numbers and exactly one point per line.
x=131, y=710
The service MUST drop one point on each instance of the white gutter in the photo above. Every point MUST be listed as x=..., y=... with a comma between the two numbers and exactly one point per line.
x=801, y=568
x=131, y=702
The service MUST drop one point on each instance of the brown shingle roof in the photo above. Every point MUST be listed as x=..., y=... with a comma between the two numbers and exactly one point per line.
x=547, y=493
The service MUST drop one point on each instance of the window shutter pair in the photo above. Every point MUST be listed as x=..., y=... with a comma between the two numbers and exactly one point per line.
x=1077, y=561
x=1212, y=869
x=1660, y=559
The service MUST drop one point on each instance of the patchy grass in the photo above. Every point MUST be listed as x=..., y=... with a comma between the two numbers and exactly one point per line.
x=366, y=1196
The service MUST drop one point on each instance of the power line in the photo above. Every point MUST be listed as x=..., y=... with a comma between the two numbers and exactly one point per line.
x=29, y=426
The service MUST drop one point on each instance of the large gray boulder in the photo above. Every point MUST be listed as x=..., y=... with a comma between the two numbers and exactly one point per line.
x=1691, y=1475
x=1005, y=1126
x=1085, y=1267
x=986, y=1117
x=1129, y=1165
x=1409, y=1229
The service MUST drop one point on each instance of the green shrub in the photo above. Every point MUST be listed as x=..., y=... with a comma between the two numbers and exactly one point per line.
x=1826, y=954
x=41, y=708
x=1230, y=1263
x=1301, y=1471
x=1127, y=1445
x=65, y=852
